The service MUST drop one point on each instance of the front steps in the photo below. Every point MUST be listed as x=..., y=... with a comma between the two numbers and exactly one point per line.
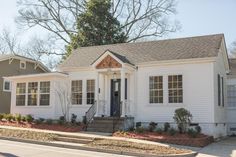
x=110, y=124
x=74, y=139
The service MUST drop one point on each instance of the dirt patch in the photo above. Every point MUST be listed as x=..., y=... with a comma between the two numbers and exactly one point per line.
x=126, y=146
x=30, y=135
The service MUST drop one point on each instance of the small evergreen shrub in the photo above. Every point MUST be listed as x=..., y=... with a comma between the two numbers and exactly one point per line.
x=29, y=118
x=1, y=117
x=41, y=120
x=8, y=117
x=159, y=130
x=152, y=126
x=192, y=133
x=138, y=124
x=198, y=129
x=183, y=118
x=140, y=129
x=18, y=117
x=37, y=121
x=131, y=129
x=166, y=126
x=73, y=118
x=23, y=118
x=49, y=121
x=172, y=131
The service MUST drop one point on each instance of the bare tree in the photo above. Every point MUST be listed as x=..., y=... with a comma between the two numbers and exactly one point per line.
x=140, y=19
x=9, y=43
x=64, y=97
x=233, y=48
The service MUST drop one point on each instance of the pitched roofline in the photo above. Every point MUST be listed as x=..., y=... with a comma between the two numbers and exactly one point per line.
x=226, y=52
x=15, y=56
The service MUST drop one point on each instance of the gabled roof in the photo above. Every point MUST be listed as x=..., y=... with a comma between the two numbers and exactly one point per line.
x=142, y=52
x=14, y=56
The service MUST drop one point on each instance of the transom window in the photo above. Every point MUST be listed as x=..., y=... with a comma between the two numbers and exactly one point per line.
x=90, y=91
x=20, y=94
x=32, y=93
x=175, y=88
x=156, y=89
x=231, y=95
x=44, y=99
x=76, y=91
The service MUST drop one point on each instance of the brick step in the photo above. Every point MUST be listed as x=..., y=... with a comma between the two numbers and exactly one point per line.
x=73, y=140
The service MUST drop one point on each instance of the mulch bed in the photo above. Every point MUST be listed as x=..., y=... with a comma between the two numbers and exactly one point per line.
x=125, y=146
x=181, y=139
x=53, y=127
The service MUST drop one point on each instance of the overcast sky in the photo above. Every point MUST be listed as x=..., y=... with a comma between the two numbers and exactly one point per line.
x=197, y=17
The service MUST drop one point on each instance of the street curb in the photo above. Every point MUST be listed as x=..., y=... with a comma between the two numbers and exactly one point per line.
x=192, y=154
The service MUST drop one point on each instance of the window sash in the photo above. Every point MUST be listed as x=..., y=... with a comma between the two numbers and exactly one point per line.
x=20, y=94
x=175, y=88
x=156, y=89
x=44, y=97
x=90, y=91
x=77, y=92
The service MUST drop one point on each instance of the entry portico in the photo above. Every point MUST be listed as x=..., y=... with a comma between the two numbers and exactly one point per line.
x=112, y=85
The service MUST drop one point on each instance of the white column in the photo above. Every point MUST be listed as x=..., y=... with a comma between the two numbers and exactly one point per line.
x=97, y=94
x=122, y=92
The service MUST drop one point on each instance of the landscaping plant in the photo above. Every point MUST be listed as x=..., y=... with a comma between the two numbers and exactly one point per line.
x=183, y=118
x=166, y=126
x=18, y=117
x=73, y=118
x=29, y=118
x=138, y=124
x=159, y=130
x=198, y=129
x=172, y=131
x=1, y=117
x=152, y=126
x=192, y=133
x=49, y=121
x=8, y=117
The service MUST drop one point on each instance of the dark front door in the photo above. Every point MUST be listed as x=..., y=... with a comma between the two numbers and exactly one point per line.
x=115, y=97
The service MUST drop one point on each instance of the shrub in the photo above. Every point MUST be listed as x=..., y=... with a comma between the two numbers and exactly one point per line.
x=49, y=121
x=172, y=131
x=18, y=117
x=29, y=118
x=38, y=121
x=84, y=121
x=166, y=126
x=8, y=117
x=140, y=130
x=138, y=124
x=1, y=117
x=131, y=129
x=73, y=118
x=183, y=118
x=23, y=118
x=159, y=130
x=41, y=120
x=192, y=133
x=62, y=118
x=198, y=129
x=152, y=126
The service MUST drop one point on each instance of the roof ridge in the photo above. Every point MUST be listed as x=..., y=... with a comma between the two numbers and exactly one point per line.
x=150, y=41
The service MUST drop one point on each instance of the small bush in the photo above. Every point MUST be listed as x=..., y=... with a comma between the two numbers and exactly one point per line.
x=198, y=129
x=172, y=131
x=1, y=117
x=8, y=117
x=138, y=124
x=192, y=133
x=166, y=126
x=183, y=118
x=41, y=120
x=140, y=130
x=62, y=118
x=159, y=130
x=73, y=118
x=23, y=118
x=37, y=121
x=29, y=118
x=152, y=126
x=18, y=118
x=49, y=121
x=131, y=129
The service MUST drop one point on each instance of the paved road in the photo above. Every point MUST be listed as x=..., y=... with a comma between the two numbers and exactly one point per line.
x=19, y=149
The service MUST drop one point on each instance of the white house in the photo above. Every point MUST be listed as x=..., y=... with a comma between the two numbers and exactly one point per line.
x=142, y=82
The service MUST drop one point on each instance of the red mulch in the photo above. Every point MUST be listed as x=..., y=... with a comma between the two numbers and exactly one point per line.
x=182, y=139
x=54, y=127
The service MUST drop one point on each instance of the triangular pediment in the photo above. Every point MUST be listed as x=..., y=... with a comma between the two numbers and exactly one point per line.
x=108, y=62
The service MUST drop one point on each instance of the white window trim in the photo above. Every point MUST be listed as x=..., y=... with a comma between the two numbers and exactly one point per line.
x=82, y=92
x=22, y=62
x=4, y=89
x=40, y=93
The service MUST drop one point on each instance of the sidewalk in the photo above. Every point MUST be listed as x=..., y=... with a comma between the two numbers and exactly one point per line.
x=94, y=135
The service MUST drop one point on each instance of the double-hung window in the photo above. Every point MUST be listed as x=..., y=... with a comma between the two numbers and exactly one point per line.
x=76, y=92
x=20, y=94
x=156, y=89
x=175, y=88
x=44, y=97
x=32, y=93
x=90, y=91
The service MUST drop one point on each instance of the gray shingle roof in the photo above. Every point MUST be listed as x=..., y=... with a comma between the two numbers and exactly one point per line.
x=140, y=52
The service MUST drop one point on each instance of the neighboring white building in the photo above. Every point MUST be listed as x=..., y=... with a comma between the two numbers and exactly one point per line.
x=146, y=81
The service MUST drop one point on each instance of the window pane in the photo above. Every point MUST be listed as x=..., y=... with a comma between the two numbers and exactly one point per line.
x=156, y=89
x=32, y=100
x=76, y=90
x=45, y=87
x=90, y=91
x=76, y=98
x=175, y=88
x=6, y=85
x=44, y=99
x=20, y=100
x=20, y=88
x=32, y=87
